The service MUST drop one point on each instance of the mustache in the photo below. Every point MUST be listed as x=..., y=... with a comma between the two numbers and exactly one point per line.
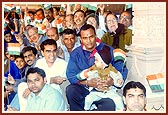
x=29, y=60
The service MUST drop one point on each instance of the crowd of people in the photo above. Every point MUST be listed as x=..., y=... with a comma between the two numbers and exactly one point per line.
x=68, y=60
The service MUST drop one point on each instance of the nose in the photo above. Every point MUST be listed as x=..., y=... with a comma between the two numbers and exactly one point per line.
x=136, y=98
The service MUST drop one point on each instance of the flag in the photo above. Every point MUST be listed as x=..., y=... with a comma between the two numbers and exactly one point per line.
x=41, y=28
x=93, y=7
x=59, y=26
x=6, y=22
x=119, y=54
x=90, y=7
x=9, y=7
x=46, y=6
x=38, y=20
x=63, y=7
x=27, y=19
x=13, y=48
x=18, y=9
x=156, y=82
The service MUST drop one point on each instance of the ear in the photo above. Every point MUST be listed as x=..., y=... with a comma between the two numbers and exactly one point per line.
x=42, y=53
x=62, y=41
x=124, y=100
x=45, y=80
x=76, y=39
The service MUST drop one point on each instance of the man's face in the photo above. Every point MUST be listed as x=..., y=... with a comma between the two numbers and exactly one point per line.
x=69, y=21
x=35, y=83
x=48, y=15
x=88, y=39
x=50, y=54
x=125, y=19
x=135, y=99
x=69, y=41
x=29, y=57
x=33, y=36
x=111, y=23
x=51, y=34
x=79, y=18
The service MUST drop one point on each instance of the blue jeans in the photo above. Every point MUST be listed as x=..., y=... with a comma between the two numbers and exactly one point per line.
x=76, y=98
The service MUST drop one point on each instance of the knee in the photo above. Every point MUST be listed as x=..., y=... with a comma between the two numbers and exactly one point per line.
x=108, y=104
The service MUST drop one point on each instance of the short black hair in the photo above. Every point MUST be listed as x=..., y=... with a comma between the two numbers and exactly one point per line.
x=29, y=48
x=68, y=31
x=133, y=84
x=86, y=27
x=37, y=70
x=80, y=11
x=47, y=42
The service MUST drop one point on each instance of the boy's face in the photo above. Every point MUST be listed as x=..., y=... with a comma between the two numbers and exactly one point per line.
x=99, y=64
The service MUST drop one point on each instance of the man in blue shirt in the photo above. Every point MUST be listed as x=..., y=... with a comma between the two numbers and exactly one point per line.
x=81, y=59
x=42, y=97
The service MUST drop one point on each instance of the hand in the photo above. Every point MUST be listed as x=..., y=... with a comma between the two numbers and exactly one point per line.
x=103, y=85
x=58, y=80
x=11, y=80
x=93, y=82
x=11, y=108
x=26, y=93
x=19, y=38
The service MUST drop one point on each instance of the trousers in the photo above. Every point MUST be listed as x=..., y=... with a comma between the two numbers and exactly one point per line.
x=76, y=99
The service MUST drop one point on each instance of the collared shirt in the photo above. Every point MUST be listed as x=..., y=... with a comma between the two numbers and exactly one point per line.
x=66, y=53
x=57, y=69
x=48, y=99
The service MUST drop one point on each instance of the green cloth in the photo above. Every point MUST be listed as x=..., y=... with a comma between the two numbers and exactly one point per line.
x=124, y=39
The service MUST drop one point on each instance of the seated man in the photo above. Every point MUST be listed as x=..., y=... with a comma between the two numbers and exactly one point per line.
x=134, y=96
x=42, y=97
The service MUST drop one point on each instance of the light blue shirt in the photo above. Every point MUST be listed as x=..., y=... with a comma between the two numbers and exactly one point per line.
x=49, y=99
x=65, y=50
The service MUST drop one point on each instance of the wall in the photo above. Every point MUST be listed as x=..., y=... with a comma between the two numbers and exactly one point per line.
x=147, y=54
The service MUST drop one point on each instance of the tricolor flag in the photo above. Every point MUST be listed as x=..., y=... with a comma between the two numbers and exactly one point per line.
x=18, y=9
x=46, y=6
x=119, y=54
x=90, y=7
x=41, y=28
x=27, y=19
x=156, y=82
x=6, y=22
x=63, y=7
x=38, y=20
x=59, y=26
x=13, y=48
x=9, y=7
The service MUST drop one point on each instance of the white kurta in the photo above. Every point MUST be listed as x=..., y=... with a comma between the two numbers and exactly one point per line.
x=57, y=69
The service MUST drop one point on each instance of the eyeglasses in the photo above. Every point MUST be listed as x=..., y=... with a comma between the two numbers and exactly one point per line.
x=125, y=17
x=111, y=21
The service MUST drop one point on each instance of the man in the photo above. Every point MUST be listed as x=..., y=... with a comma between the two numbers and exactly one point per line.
x=30, y=56
x=42, y=97
x=69, y=42
x=54, y=67
x=81, y=59
x=79, y=20
x=49, y=19
x=126, y=19
x=34, y=39
x=134, y=96
x=52, y=33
